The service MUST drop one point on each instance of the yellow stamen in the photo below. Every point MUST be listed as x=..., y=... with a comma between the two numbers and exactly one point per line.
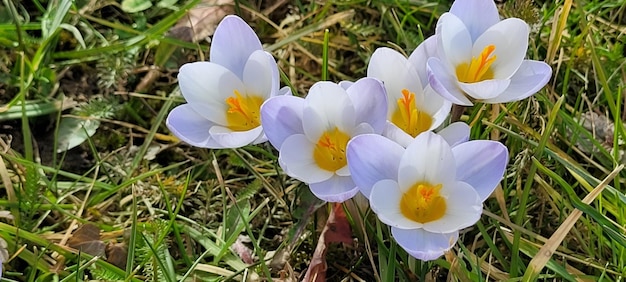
x=478, y=69
x=243, y=112
x=422, y=203
x=408, y=117
x=330, y=150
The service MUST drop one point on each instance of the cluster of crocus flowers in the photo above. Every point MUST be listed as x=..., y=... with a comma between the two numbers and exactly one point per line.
x=376, y=135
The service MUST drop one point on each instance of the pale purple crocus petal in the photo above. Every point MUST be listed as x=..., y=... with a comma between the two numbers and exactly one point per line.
x=191, y=127
x=419, y=57
x=206, y=86
x=424, y=245
x=228, y=138
x=345, y=84
x=233, y=42
x=368, y=164
x=393, y=132
x=442, y=82
x=257, y=75
x=296, y=155
x=463, y=208
x=455, y=133
x=454, y=41
x=427, y=159
x=510, y=39
x=529, y=78
x=481, y=164
x=370, y=102
x=385, y=202
x=281, y=117
x=327, y=106
x=284, y=91
x=486, y=89
x=478, y=15
x=336, y=189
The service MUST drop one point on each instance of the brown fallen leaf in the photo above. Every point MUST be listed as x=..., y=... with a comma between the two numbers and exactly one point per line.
x=87, y=240
x=116, y=254
x=242, y=250
x=336, y=230
x=202, y=20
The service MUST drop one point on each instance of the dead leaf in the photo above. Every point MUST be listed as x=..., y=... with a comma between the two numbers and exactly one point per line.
x=87, y=240
x=336, y=230
x=116, y=254
x=242, y=250
x=202, y=20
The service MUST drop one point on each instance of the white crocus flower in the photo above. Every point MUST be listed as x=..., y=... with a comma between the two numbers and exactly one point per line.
x=428, y=191
x=224, y=96
x=413, y=106
x=311, y=134
x=480, y=58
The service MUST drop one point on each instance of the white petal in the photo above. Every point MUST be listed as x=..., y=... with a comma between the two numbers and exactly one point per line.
x=261, y=139
x=454, y=40
x=419, y=57
x=235, y=139
x=258, y=75
x=276, y=89
x=362, y=128
x=370, y=102
x=344, y=171
x=336, y=189
x=397, y=135
x=455, y=133
x=481, y=164
x=422, y=244
x=385, y=202
x=327, y=106
x=510, y=37
x=233, y=43
x=486, y=89
x=191, y=127
x=436, y=106
x=427, y=159
x=296, y=155
x=206, y=86
x=463, y=208
x=396, y=73
x=281, y=117
x=478, y=15
x=529, y=78
x=445, y=84
x=367, y=166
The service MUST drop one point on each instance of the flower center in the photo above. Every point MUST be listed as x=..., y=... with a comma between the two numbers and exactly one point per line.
x=243, y=112
x=423, y=203
x=330, y=150
x=408, y=117
x=478, y=69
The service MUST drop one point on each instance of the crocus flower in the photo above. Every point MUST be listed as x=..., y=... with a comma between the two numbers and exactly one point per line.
x=480, y=58
x=224, y=96
x=413, y=107
x=428, y=191
x=311, y=134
